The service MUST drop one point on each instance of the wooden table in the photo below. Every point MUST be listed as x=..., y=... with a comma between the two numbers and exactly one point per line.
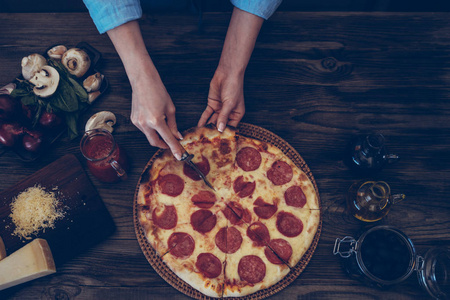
x=315, y=79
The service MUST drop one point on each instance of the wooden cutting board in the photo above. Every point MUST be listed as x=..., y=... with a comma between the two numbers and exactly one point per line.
x=86, y=220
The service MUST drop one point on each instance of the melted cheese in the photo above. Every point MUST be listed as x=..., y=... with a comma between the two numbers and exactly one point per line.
x=34, y=209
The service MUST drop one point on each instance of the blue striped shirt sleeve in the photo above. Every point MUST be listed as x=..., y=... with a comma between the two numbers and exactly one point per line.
x=261, y=8
x=110, y=14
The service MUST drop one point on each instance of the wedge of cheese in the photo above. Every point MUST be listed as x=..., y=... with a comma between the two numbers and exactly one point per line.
x=32, y=261
x=2, y=249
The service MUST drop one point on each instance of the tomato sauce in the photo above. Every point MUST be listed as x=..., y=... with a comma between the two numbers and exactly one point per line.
x=101, y=151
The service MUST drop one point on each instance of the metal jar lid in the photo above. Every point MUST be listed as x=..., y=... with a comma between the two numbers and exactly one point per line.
x=434, y=272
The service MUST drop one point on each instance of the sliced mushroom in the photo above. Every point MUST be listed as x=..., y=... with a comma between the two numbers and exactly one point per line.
x=93, y=82
x=7, y=89
x=92, y=96
x=45, y=81
x=76, y=61
x=102, y=119
x=31, y=64
x=57, y=52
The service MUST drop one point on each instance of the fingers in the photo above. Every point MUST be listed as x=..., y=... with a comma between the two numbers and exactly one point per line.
x=222, y=119
x=234, y=123
x=205, y=116
x=236, y=115
x=171, y=122
x=154, y=139
x=171, y=141
x=162, y=136
x=213, y=118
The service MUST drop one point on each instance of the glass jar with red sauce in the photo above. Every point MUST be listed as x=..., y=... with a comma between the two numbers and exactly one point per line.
x=105, y=158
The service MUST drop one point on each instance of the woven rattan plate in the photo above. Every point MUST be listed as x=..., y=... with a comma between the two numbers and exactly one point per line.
x=164, y=271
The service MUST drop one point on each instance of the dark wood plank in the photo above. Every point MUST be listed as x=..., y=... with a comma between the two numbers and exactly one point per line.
x=316, y=80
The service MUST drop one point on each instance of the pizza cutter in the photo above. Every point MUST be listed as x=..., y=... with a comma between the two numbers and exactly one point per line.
x=187, y=158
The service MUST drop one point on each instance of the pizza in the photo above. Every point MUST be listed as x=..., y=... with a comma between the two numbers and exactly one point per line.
x=243, y=236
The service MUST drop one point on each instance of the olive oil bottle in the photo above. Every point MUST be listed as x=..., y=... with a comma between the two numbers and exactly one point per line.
x=371, y=201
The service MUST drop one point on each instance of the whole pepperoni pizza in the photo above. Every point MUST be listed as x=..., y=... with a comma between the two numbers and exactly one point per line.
x=246, y=234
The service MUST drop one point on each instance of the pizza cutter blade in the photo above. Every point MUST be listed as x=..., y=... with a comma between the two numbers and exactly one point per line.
x=187, y=158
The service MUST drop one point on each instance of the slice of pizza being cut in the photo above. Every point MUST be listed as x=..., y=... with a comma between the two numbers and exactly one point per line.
x=214, y=153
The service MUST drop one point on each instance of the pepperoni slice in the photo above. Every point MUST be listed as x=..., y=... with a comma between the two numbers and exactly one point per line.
x=167, y=219
x=263, y=209
x=181, y=245
x=209, y=265
x=243, y=188
x=231, y=216
x=203, y=220
x=204, y=199
x=171, y=185
x=248, y=159
x=279, y=248
x=236, y=214
x=294, y=196
x=288, y=224
x=258, y=233
x=252, y=269
x=202, y=165
x=280, y=173
x=228, y=240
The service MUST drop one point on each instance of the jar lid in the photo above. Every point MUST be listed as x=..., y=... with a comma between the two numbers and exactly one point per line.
x=434, y=272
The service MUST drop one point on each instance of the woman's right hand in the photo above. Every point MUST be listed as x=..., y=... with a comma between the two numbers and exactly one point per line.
x=152, y=109
x=153, y=112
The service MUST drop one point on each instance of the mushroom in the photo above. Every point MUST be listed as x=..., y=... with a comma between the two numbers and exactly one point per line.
x=93, y=82
x=103, y=120
x=7, y=89
x=45, y=81
x=31, y=64
x=76, y=61
x=57, y=52
x=92, y=96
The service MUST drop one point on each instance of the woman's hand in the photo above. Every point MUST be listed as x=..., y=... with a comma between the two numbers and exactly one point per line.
x=153, y=112
x=225, y=101
x=226, y=90
x=152, y=109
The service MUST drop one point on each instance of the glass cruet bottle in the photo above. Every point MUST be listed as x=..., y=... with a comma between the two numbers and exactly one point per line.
x=369, y=153
x=371, y=201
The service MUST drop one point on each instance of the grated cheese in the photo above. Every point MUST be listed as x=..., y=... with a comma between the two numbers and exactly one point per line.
x=34, y=209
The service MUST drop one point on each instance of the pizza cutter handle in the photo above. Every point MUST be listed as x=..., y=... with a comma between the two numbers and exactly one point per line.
x=186, y=156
